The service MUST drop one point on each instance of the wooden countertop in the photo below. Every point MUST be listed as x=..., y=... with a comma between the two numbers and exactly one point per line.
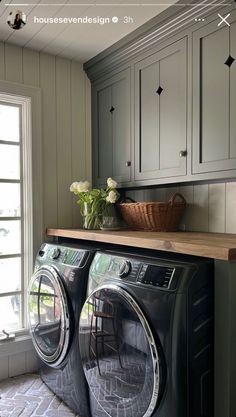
x=212, y=245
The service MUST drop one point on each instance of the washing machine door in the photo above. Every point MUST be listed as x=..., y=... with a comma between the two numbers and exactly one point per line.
x=119, y=355
x=49, y=315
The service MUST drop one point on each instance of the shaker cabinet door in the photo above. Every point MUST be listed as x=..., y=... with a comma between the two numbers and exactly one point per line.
x=160, y=113
x=214, y=102
x=111, y=129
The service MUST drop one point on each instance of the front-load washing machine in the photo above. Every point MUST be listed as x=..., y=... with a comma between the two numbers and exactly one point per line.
x=56, y=294
x=147, y=343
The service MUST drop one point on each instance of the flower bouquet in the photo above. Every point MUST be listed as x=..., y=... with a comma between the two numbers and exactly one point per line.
x=94, y=203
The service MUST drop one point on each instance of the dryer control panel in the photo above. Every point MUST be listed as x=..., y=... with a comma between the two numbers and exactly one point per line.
x=158, y=276
x=133, y=270
x=63, y=255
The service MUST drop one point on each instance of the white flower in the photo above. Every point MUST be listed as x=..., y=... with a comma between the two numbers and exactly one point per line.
x=73, y=187
x=111, y=183
x=80, y=187
x=112, y=197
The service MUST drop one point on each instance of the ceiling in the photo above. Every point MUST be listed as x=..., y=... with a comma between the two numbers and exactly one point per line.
x=79, y=41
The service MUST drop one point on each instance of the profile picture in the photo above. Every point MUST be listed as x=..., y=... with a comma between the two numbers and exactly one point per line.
x=16, y=19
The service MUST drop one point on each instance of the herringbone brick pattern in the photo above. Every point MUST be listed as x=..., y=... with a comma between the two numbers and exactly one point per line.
x=28, y=396
x=121, y=391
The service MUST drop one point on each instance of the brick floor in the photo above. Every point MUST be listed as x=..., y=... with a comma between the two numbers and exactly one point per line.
x=28, y=396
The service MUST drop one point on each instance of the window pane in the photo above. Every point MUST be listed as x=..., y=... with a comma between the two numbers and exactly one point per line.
x=9, y=122
x=10, y=237
x=10, y=275
x=9, y=161
x=10, y=200
x=10, y=312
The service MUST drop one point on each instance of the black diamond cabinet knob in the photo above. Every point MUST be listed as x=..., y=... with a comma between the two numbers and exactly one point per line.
x=112, y=109
x=159, y=90
x=229, y=61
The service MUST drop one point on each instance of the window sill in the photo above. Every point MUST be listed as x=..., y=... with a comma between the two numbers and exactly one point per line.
x=21, y=343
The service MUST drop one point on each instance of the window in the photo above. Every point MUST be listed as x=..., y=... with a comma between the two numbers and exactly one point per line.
x=15, y=210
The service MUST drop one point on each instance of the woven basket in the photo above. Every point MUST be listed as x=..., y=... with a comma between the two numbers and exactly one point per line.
x=154, y=216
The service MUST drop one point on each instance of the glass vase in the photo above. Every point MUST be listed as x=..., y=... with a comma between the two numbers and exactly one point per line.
x=110, y=218
x=91, y=218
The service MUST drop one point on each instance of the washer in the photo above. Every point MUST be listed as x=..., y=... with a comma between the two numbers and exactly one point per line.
x=147, y=344
x=56, y=294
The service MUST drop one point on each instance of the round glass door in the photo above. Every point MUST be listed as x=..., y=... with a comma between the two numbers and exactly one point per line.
x=48, y=315
x=119, y=355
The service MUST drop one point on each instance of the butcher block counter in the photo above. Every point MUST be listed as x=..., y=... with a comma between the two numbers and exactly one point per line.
x=212, y=245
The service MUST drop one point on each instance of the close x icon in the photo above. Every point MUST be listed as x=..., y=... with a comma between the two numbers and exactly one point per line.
x=224, y=19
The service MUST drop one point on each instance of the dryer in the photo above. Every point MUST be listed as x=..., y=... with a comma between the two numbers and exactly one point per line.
x=147, y=344
x=56, y=293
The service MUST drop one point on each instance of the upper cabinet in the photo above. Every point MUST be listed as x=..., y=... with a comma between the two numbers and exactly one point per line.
x=161, y=113
x=170, y=116
x=111, y=129
x=214, y=98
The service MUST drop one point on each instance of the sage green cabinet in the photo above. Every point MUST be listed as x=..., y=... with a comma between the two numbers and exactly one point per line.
x=161, y=113
x=111, y=129
x=214, y=98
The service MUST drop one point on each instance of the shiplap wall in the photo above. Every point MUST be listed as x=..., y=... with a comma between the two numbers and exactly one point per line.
x=66, y=127
x=22, y=359
x=66, y=147
x=210, y=207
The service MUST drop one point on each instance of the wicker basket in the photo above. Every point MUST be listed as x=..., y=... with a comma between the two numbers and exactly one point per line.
x=154, y=216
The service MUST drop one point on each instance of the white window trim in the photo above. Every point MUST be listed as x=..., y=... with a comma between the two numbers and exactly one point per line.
x=30, y=100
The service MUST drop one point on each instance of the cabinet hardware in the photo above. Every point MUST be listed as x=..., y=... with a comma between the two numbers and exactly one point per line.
x=112, y=109
x=183, y=153
x=229, y=61
x=159, y=90
x=128, y=164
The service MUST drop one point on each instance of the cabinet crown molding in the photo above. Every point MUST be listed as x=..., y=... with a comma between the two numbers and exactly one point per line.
x=171, y=21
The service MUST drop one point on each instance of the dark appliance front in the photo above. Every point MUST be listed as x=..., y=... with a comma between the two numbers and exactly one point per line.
x=147, y=343
x=56, y=294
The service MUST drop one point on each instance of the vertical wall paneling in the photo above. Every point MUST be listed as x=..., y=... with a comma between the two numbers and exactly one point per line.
x=31, y=67
x=154, y=194
x=217, y=208
x=13, y=63
x=200, y=210
x=130, y=193
x=160, y=194
x=17, y=357
x=139, y=195
x=149, y=195
x=78, y=132
x=210, y=207
x=17, y=364
x=31, y=363
x=49, y=138
x=88, y=133
x=63, y=108
x=170, y=191
x=187, y=193
x=2, y=61
x=66, y=114
x=230, y=207
x=3, y=368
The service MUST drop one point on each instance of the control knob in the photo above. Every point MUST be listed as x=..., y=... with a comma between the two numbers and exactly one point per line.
x=124, y=269
x=56, y=253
